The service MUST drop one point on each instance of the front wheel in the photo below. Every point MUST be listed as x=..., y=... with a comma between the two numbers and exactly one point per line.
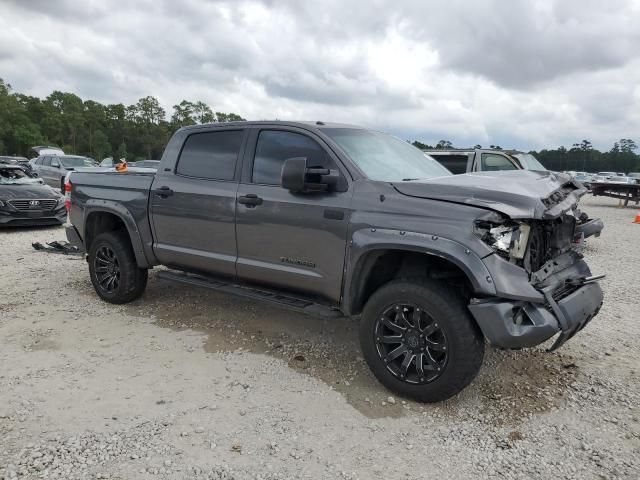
x=113, y=269
x=420, y=341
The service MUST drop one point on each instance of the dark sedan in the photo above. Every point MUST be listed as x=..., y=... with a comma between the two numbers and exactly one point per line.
x=26, y=201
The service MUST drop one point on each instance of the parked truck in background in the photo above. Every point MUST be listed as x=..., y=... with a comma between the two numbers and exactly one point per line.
x=339, y=220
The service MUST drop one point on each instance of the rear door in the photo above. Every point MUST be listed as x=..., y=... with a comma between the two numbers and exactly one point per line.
x=193, y=205
x=292, y=241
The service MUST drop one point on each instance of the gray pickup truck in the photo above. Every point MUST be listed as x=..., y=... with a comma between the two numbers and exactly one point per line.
x=333, y=220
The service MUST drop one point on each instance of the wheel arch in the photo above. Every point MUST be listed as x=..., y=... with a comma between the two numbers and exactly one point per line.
x=378, y=256
x=103, y=217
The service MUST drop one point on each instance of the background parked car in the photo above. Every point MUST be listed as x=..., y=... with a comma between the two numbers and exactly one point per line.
x=53, y=168
x=22, y=162
x=614, y=177
x=47, y=150
x=146, y=164
x=585, y=178
x=25, y=200
x=635, y=176
x=459, y=161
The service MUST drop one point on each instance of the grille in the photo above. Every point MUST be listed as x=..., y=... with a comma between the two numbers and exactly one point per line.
x=548, y=240
x=46, y=204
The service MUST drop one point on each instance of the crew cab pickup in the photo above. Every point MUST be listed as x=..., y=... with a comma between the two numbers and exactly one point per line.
x=333, y=219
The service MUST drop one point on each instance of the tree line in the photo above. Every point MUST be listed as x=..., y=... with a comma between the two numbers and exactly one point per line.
x=581, y=156
x=86, y=127
x=141, y=131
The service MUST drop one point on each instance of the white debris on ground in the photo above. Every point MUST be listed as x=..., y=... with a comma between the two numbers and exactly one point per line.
x=190, y=384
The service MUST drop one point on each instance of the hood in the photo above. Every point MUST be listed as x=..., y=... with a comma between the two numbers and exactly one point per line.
x=39, y=191
x=517, y=193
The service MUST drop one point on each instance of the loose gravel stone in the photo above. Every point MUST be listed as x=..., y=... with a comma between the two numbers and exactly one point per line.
x=191, y=384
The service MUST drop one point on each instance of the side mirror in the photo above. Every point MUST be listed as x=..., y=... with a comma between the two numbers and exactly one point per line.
x=297, y=177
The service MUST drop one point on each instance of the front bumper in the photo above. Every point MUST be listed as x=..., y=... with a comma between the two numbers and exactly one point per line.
x=22, y=218
x=570, y=303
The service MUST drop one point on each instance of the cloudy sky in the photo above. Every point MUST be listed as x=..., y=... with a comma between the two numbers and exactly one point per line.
x=528, y=74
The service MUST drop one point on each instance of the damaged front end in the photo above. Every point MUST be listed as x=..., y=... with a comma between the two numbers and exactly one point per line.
x=564, y=297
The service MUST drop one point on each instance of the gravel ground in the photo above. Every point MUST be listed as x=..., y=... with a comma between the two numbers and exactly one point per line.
x=188, y=383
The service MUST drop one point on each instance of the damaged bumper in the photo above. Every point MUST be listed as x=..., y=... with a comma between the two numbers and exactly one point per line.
x=571, y=299
x=73, y=237
x=592, y=227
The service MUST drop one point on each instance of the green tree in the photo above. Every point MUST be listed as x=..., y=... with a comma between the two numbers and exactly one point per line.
x=183, y=114
x=421, y=146
x=100, y=146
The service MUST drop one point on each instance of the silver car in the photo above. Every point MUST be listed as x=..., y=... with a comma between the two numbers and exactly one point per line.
x=53, y=168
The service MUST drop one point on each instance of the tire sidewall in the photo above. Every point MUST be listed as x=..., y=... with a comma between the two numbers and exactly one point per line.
x=440, y=311
x=106, y=240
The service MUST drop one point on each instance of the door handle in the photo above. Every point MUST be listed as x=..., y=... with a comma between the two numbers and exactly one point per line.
x=163, y=192
x=250, y=200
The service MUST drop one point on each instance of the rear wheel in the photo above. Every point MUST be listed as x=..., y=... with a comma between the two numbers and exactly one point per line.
x=113, y=269
x=420, y=341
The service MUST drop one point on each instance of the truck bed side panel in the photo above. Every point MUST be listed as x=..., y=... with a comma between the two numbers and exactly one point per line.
x=123, y=194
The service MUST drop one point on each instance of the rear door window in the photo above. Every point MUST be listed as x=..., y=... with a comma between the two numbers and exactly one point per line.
x=46, y=161
x=493, y=162
x=211, y=155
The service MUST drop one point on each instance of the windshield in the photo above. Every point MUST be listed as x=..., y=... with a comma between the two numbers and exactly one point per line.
x=75, y=162
x=385, y=158
x=16, y=176
x=529, y=162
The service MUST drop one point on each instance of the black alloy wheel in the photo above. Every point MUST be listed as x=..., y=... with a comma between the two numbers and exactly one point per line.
x=420, y=340
x=107, y=268
x=411, y=343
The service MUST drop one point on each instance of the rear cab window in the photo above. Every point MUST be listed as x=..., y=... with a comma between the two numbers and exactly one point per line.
x=211, y=155
x=456, y=164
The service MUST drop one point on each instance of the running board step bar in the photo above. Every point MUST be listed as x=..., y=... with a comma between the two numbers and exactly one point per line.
x=291, y=303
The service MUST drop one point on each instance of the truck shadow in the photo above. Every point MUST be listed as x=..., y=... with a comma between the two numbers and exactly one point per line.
x=511, y=385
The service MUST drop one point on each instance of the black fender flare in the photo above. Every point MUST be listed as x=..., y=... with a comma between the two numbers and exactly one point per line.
x=117, y=209
x=367, y=240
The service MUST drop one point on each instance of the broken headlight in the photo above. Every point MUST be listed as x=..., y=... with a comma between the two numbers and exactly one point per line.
x=511, y=240
x=507, y=238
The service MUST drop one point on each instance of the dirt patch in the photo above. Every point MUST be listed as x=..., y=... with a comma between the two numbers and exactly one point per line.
x=511, y=385
x=518, y=384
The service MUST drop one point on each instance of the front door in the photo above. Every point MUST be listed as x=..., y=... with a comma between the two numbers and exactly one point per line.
x=193, y=206
x=285, y=240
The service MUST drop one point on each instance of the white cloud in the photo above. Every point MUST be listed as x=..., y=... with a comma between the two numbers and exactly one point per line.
x=519, y=73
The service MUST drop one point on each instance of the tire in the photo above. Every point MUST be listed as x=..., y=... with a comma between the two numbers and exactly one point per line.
x=125, y=281
x=444, y=339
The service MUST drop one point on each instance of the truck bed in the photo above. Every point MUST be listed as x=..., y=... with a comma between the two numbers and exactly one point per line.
x=105, y=189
